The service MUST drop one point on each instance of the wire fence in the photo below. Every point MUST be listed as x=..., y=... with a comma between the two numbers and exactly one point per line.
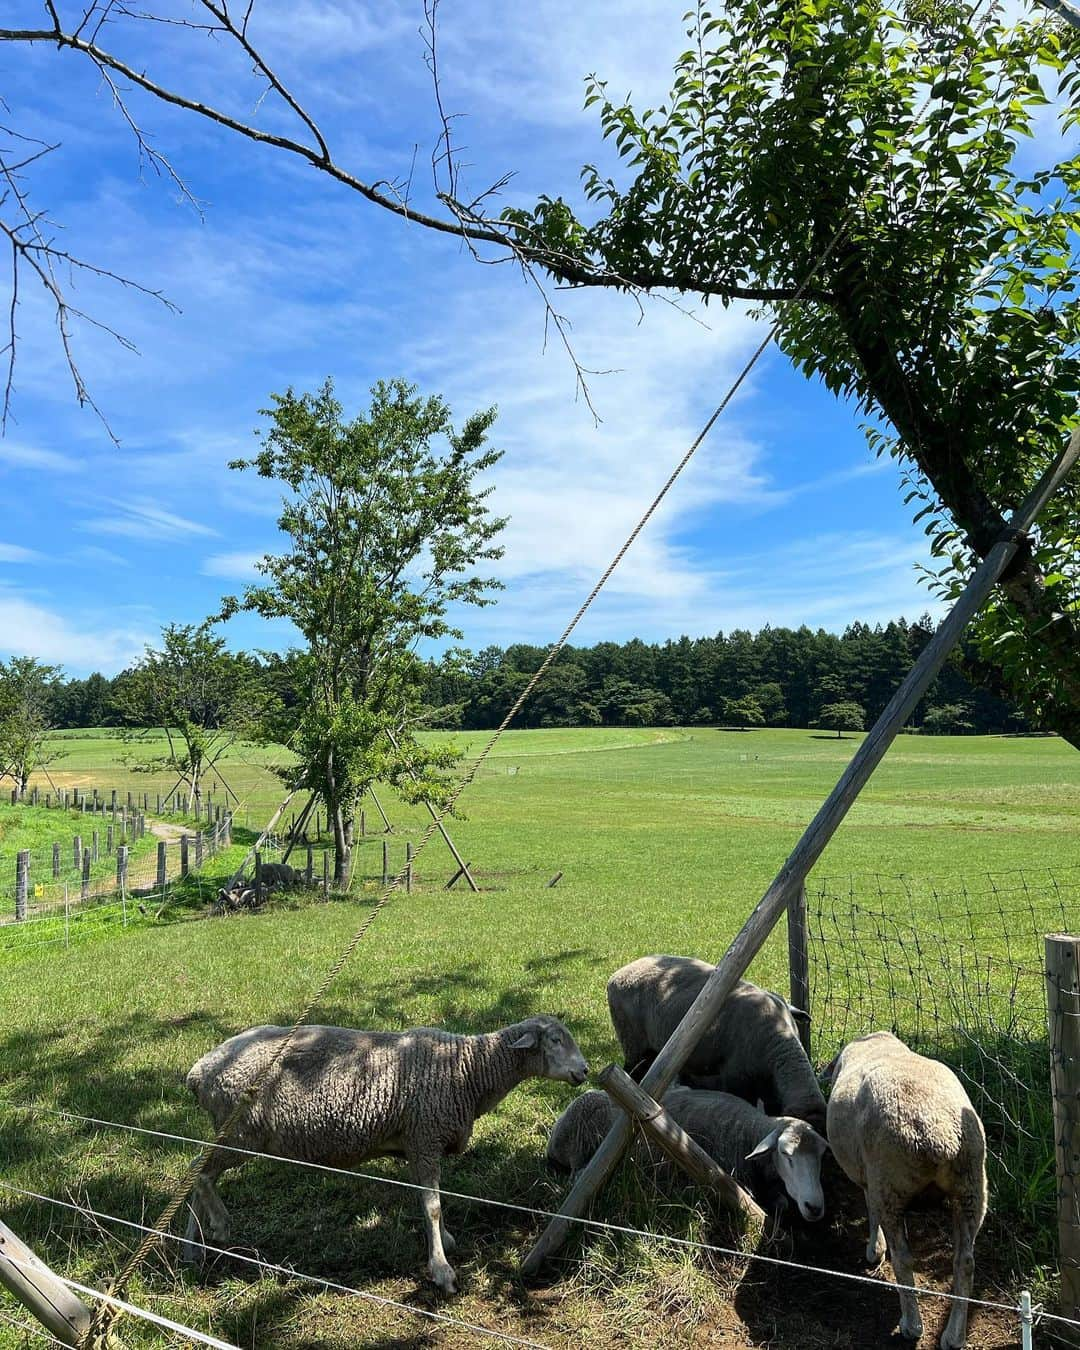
x=956, y=968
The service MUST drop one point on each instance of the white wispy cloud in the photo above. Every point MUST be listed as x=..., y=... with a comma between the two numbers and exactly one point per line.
x=15, y=553
x=28, y=628
x=15, y=455
x=91, y=553
x=236, y=566
x=145, y=520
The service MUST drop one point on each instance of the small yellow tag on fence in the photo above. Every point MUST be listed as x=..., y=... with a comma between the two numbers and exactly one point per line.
x=39, y=890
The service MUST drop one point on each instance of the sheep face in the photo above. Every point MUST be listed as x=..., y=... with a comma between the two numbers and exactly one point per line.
x=797, y=1151
x=556, y=1052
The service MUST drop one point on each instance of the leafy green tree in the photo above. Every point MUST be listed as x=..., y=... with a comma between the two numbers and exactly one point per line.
x=385, y=526
x=913, y=264
x=201, y=697
x=27, y=690
x=770, y=699
x=841, y=717
x=743, y=712
x=948, y=719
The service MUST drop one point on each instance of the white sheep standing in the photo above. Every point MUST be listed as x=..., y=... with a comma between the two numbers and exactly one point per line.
x=339, y=1096
x=768, y=1155
x=899, y=1123
x=751, y=1048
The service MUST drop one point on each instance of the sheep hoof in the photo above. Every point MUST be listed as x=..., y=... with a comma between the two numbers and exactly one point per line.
x=875, y=1254
x=911, y=1331
x=449, y=1241
x=441, y=1274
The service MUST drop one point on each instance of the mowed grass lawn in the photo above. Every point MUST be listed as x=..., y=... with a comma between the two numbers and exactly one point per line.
x=665, y=838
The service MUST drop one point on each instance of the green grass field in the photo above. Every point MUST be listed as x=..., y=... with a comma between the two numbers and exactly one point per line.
x=664, y=838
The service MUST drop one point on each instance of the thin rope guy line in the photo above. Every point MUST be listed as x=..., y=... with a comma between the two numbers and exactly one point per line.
x=624, y=1229
x=364, y=1294
x=438, y=817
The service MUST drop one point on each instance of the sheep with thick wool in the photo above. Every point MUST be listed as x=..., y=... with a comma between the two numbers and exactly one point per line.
x=768, y=1155
x=900, y=1123
x=338, y=1096
x=751, y=1048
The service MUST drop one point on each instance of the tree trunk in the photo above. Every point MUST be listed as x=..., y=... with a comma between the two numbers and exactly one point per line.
x=342, y=844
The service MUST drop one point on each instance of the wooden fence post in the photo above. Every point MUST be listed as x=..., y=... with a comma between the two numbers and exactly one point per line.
x=157, y=804
x=56, y=860
x=1063, y=1017
x=363, y=823
x=185, y=865
x=325, y=874
x=161, y=856
x=94, y=846
x=385, y=862
x=112, y=803
x=84, y=889
x=121, y=867
x=309, y=871
x=76, y=852
x=48, y=801
x=199, y=844
x=408, y=868
x=799, y=962
x=129, y=801
x=47, y=1297
x=33, y=796
x=22, y=882
x=108, y=840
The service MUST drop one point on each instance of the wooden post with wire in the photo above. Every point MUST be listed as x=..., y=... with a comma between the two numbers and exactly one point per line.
x=29, y=1279
x=161, y=864
x=1063, y=1020
x=22, y=882
x=799, y=962
x=793, y=873
x=84, y=889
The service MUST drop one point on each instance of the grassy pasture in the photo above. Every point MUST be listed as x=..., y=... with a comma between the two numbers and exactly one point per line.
x=665, y=838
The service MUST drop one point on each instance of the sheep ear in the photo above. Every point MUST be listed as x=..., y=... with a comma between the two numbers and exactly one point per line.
x=526, y=1041
x=767, y=1144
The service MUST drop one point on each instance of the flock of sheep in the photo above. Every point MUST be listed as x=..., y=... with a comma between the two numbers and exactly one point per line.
x=898, y=1124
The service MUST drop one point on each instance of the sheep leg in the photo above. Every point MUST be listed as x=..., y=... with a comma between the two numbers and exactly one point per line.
x=875, y=1246
x=208, y=1217
x=964, y=1231
x=439, y=1270
x=890, y=1211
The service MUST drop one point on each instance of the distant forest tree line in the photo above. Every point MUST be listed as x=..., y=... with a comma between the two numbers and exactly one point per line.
x=777, y=677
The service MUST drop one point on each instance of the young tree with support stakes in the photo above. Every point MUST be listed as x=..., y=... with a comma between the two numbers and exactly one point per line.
x=199, y=696
x=385, y=525
x=26, y=693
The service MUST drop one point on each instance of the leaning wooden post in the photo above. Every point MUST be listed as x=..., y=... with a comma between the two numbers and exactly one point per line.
x=793, y=873
x=45, y=1294
x=668, y=1135
x=463, y=866
x=1063, y=1017
x=799, y=962
x=22, y=882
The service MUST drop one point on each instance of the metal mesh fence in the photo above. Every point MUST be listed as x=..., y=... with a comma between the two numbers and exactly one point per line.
x=955, y=967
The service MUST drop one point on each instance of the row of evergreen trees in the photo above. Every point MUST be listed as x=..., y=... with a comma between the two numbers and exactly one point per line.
x=776, y=677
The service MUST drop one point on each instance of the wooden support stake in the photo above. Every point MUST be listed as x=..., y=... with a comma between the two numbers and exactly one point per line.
x=261, y=839
x=799, y=962
x=1063, y=1017
x=792, y=874
x=462, y=864
x=455, y=878
x=554, y=880
x=45, y=1294
x=378, y=806
x=22, y=882
x=669, y=1136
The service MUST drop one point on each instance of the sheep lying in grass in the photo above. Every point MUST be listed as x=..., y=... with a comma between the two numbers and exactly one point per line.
x=767, y=1155
x=898, y=1124
x=279, y=876
x=751, y=1049
x=339, y=1096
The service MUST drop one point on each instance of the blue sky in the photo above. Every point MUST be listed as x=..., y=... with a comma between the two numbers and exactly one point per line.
x=783, y=518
